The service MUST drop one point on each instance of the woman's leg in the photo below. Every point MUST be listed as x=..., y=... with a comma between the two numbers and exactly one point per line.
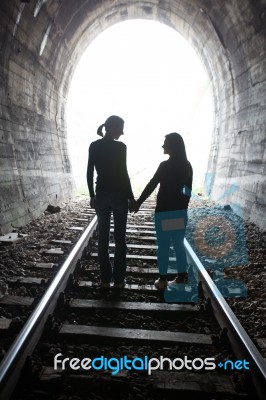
x=120, y=210
x=163, y=243
x=181, y=258
x=178, y=237
x=103, y=211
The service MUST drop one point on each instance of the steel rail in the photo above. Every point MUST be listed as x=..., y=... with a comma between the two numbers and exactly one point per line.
x=240, y=341
x=24, y=344
x=27, y=339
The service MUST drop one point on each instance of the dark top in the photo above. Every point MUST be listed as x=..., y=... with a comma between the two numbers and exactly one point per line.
x=108, y=156
x=175, y=181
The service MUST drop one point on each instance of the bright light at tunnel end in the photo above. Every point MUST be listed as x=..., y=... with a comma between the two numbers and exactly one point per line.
x=147, y=73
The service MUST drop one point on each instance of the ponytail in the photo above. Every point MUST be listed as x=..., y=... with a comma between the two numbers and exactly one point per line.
x=100, y=130
x=111, y=122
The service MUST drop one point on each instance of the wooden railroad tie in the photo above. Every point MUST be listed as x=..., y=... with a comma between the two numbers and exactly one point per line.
x=136, y=246
x=145, y=238
x=135, y=270
x=186, y=295
x=128, y=286
x=179, y=383
x=136, y=226
x=141, y=232
x=146, y=224
x=26, y=280
x=136, y=257
x=84, y=332
x=132, y=306
x=61, y=241
x=16, y=300
x=45, y=265
x=86, y=214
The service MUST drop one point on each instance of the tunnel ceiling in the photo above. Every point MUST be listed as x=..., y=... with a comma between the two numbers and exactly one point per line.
x=41, y=44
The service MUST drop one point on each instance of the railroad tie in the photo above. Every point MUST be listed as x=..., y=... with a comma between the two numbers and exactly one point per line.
x=84, y=332
x=132, y=306
x=176, y=383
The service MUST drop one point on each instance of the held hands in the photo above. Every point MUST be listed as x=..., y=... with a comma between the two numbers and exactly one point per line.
x=133, y=206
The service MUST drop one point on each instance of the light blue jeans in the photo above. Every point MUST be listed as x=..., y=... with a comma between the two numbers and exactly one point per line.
x=106, y=204
x=170, y=228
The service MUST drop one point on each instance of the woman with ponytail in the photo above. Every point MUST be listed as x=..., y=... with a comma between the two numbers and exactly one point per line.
x=113, y=192
x=100, y=130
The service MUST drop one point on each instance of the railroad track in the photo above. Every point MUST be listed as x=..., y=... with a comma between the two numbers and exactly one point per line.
x=76, y=319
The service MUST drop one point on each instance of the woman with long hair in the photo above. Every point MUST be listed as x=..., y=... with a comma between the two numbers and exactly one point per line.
x=175, y=179
x=113, y=191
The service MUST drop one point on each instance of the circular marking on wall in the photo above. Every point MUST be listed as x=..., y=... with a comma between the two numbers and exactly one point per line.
x=222, y=237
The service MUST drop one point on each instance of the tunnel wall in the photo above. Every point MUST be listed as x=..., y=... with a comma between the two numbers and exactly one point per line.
x=35, y=169
x=237, y=163
x=41, y=44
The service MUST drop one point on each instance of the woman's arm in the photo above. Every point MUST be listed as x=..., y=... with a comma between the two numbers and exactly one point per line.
x=188, y=185
x=150, y=186
x=127, y=180
x=90, y=172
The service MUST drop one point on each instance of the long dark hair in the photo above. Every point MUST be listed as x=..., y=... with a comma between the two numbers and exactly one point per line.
x=177, y=145
x=112, y=122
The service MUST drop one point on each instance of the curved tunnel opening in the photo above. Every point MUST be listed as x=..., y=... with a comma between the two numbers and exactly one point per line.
x=42, y=44
x=147, y=73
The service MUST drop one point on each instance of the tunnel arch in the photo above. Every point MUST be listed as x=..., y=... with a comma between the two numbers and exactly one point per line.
x=42, y=43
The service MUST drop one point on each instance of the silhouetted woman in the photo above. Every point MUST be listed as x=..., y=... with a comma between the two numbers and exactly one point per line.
x=175, y=179
x=113, y=190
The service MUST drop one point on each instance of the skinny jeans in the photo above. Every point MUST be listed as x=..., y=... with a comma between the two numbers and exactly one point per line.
x=170, y=227
x=107, y=203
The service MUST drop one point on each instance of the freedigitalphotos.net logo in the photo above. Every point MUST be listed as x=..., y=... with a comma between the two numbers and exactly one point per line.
x=115, y=365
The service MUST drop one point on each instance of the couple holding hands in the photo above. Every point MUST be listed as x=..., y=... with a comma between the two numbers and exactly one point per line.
x=114, y=195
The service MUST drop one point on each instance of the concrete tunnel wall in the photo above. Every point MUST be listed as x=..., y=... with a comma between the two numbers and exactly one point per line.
x=41, y=43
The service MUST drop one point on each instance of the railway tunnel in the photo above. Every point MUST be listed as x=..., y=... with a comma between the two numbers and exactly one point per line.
x=41, y=44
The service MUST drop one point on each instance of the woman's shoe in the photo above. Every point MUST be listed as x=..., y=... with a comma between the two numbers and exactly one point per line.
x=181, y=278
x=161, y=284
x=105, y=285
x=119, y=285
